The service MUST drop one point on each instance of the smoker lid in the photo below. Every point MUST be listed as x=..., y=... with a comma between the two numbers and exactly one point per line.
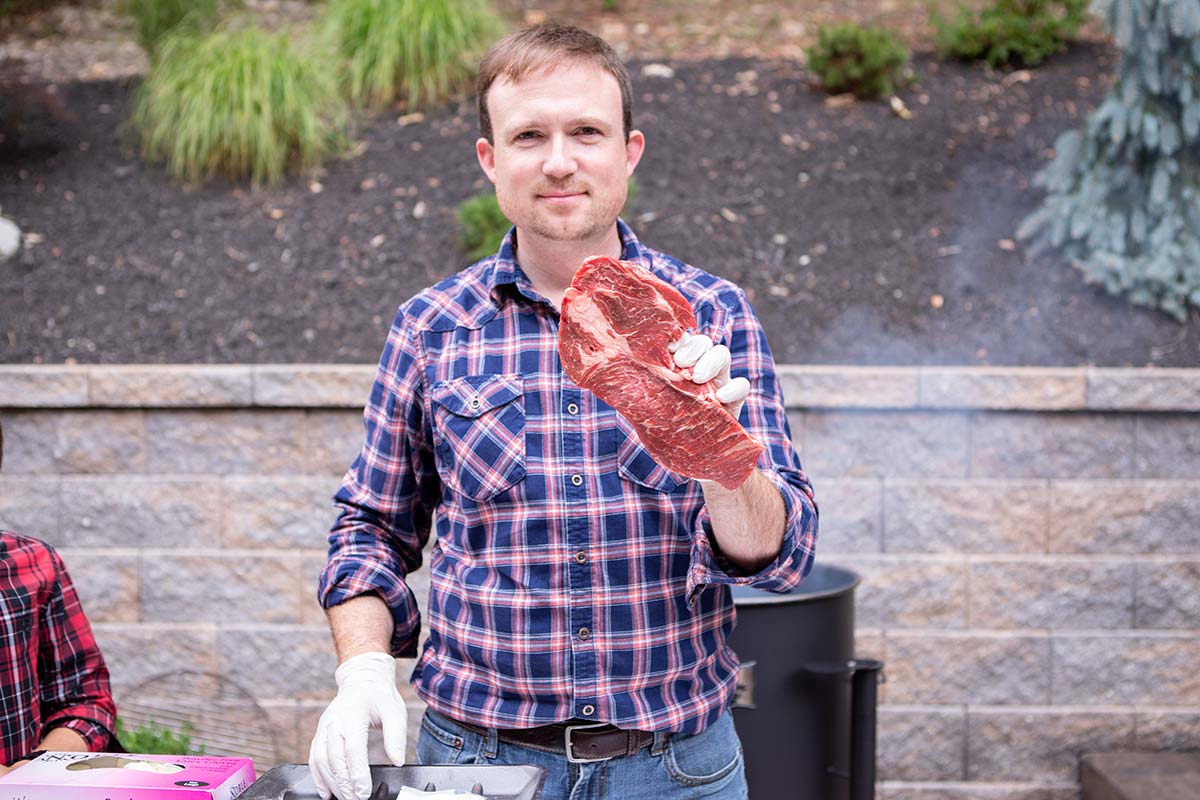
x=499, y=782
x=825, y=581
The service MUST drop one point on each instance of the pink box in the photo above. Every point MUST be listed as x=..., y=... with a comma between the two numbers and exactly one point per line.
x=124, y=776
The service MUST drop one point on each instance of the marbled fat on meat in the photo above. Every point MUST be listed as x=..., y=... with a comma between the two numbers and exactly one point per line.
x=616, y=324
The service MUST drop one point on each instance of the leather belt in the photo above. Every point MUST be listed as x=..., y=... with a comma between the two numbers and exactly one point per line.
x=583, y=741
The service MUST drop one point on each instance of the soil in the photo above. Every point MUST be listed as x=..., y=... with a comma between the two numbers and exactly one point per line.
x=861, y=237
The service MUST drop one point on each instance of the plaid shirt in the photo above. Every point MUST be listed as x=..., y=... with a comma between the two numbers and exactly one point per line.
x=572, y=575
x=52, y=674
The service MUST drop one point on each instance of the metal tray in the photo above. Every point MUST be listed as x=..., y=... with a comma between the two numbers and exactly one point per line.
x=499, y=782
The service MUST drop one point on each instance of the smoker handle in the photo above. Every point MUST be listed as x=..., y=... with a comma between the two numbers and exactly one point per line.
x=865, y=675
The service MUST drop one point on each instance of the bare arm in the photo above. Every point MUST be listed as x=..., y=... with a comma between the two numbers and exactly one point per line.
x=362, y=624
x=747, y=522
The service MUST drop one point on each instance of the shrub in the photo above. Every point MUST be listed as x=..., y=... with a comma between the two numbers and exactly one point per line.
x=482, y=224
x=849, y=58
x=239, y=102
x=420, y=51
x=155, y=738
x=1011, y=32
x=154, y=19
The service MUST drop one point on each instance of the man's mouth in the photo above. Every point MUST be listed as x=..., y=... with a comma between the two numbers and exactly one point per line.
x=560, y=196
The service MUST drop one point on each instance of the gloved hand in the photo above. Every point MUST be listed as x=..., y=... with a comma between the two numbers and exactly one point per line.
x=367, y=698
x=710, y=362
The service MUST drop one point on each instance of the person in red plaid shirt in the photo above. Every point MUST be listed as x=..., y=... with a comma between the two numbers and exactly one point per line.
x=580, y=592
x=54, y=692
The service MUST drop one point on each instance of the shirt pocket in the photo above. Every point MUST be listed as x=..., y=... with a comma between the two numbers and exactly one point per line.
x=634, y=462
x=479, y=433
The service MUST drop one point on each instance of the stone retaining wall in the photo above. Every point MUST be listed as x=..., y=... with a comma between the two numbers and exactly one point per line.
x=1029, y=541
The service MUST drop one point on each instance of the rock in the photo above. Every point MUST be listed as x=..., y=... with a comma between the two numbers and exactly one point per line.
x=657, y=71
x=10, y=238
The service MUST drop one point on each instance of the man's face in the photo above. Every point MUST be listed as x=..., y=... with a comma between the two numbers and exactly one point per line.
x=559, y=160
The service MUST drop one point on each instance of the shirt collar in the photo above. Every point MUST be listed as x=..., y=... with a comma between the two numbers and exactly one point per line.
x=507, y=271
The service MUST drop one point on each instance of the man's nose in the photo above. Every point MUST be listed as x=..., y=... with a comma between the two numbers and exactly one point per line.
x=559, y=161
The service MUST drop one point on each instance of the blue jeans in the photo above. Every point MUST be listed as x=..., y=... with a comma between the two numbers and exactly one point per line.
x=678, y=767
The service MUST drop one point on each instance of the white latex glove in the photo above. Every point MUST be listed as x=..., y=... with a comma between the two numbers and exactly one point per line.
x=367, y=698
x=710, y=362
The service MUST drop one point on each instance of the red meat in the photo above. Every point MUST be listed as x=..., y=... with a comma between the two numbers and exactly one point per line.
x=617, y=320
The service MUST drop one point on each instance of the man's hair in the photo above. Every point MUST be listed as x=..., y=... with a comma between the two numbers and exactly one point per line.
x=548, y=45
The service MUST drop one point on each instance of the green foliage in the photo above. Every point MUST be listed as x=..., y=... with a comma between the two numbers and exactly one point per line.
x=154, y=738
x=239, y=102
x=866, y=61
x=1024, y=32
x=154, y=19
x=482, y=224
x=420, y=51
x=1123, y=194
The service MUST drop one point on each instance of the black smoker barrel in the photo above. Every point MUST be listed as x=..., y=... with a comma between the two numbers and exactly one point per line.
x=805, y=708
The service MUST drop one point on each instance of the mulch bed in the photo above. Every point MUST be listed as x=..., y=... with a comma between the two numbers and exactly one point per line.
x=862, y=238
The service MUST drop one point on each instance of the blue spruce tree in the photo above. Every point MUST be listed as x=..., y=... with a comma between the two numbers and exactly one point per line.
x=1123, y=194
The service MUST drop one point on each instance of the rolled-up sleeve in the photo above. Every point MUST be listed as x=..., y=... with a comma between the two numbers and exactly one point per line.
x=386, y=499
x=72, y=676
x=765, y=418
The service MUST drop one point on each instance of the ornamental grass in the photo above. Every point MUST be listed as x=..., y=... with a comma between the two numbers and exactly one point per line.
x=416, y=51
x=240, y=102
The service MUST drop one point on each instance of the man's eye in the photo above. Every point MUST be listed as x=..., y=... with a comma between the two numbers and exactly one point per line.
x=588, y=131
x=527, y=135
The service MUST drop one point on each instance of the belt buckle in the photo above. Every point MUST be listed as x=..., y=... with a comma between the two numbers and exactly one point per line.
x=569, y=747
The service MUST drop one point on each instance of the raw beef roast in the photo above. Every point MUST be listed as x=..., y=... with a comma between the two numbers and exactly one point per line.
x=617, y=320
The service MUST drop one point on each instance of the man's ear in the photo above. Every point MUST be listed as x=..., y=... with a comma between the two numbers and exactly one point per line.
x=486, y=153
x=633, y=150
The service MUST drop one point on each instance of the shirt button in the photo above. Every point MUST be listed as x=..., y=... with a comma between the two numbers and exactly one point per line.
x=474, y=402
x=572, y=408
x=584, y=633
x=588, y=710
x=577, y=480
x=581, y=557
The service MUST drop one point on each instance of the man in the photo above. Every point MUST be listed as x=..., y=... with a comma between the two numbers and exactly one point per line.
x=579, y=598
x=54, y=692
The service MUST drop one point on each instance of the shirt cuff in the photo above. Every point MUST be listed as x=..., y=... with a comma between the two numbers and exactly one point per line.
x=96, y=735
x=784, y=573
x=338, y=586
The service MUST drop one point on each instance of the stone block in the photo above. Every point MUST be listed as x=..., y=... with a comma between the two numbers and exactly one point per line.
x=882, y=444
x=965, y=516
x=313, y=385
x=284, y=720
x=227, y=442
x=851, y=515
x=1016, y=388
x=286, y=661
x=1126, y=669
x=42, y=386
x=1039, y=744
x=292, y=511
x=1167, y=730
x=1058, y=594
x=139, y=511
x=848, y=387
x=217, y=587
x=1168, y=446
x=921, y=743
x=1013, y=445
x=137, y=654
x=32, y=506
x=74, y=441
x=898, y=591
x=107, y=583
x=1144, y=389
x=925, y=667
x=311, y=567
x=1125, y=517
x=1168, y=594
x=334, y=439
x=169, y=385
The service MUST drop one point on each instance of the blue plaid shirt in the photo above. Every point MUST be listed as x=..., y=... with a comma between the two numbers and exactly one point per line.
x=572, y=576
